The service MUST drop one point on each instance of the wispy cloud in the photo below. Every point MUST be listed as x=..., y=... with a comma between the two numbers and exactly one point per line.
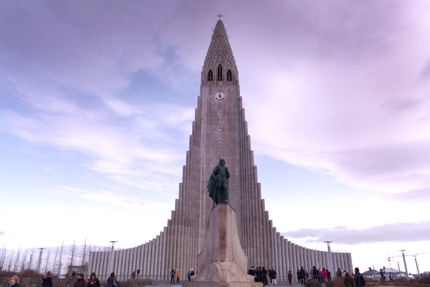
x=112, y=198
x=417, y=195
x=400, y=232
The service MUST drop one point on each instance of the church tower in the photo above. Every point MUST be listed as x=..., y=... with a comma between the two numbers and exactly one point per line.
x=219, y=131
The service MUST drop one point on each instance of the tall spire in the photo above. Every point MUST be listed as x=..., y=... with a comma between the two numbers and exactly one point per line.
x=219, y=130
x=219, y=53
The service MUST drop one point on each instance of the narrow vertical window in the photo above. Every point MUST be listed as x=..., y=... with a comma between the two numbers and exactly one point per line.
x=219, y=74
x=229, y=76
x=210, y=76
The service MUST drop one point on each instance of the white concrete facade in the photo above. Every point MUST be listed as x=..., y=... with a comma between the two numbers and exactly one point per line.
x=218, y=131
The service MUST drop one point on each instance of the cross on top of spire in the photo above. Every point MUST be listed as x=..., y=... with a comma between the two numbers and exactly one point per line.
x=219, y=16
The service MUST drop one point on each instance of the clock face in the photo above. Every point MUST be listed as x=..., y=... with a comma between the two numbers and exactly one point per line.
x=219, y=96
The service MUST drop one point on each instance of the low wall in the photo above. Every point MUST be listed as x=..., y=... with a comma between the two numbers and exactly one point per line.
x=33, y=282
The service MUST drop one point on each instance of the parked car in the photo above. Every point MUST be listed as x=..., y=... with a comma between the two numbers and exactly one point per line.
x=402, y=276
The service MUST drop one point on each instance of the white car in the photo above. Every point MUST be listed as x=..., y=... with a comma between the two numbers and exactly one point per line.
x=402, y=276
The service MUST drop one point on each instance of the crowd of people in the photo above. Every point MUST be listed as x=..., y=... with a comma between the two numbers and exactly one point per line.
x=93, y=281
x=268, y=276
x=260, y=274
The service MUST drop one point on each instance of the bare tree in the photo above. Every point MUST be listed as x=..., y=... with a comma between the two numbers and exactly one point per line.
x=73, y=253
x=58, y=264
x=47, y=260
x=24, y=259
x=84, y=254
x=15, y=265
x=10, y=262
x=31, y=259
x=2, y=257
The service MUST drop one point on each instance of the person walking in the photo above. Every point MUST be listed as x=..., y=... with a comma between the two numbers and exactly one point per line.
x=272, y=275
x=290, y=277
x=178, y=275
x=172, y=276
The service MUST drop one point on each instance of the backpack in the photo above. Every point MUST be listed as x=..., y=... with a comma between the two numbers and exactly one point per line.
x=362, y=281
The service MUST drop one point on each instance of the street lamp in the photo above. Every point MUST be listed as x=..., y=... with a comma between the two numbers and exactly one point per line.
x=329, y=259
x=416, y=263
x=404, y=262
x=110, y=268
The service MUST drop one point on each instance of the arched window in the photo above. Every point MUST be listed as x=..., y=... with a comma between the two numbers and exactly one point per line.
x=219, y=74
x=210, y=76
x=229, y=76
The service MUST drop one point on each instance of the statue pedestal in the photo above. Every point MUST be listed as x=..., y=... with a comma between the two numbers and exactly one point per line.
x=222, y=259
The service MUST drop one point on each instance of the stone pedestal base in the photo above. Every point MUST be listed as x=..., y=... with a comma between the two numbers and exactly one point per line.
x=222, y=259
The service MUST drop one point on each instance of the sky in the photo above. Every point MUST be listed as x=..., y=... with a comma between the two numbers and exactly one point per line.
x=97, y=100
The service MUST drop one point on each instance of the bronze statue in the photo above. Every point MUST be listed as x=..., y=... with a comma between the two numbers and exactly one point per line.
x=218, y=183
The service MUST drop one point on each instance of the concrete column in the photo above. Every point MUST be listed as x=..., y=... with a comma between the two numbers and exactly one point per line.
x=104, y=263
x=302, y=257
x=285, y=254
x=293, y=257
x=152, y=248
x=276, y=251
x=349, y=260
x=339, y=263
x=140, y=259
x=146, y=263
x=156, y=255
x=120, y=263
x=319, y=260
x=314, y=258
x=290, y=256
x=306, y=261
x=132, y=262
x=112, y=257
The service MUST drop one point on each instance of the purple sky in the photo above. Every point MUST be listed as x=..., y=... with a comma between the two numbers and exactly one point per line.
x=97, y=100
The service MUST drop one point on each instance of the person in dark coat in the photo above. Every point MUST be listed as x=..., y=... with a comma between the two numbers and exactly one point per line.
x=358, y=278
x=290, y=276
x=47, y=280
x=13, y=281
x=93, y=281
x=111, y=282
x=172, y=276
x=80, y=281
x=348, y=281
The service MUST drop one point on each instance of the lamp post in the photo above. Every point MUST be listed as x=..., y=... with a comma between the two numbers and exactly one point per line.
x=416, y=263
x=404, y=262
x=329, y=259
x=110, y=268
